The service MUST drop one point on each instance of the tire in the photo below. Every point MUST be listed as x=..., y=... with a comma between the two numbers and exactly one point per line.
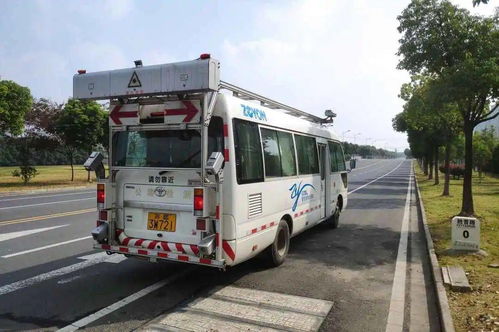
x=334, y=221
x=278, y=250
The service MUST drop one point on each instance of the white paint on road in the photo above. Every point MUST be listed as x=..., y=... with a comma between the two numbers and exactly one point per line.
x=380, y=177
x=395, y=320
x=98, y=258
x=47, y=203
x=47, y=246
x=127, y=300
x=13, y=235
x=44, y=196
x=242, y=309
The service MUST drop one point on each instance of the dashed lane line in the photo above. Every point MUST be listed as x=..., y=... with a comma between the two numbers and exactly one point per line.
x=46, y=247
x=95, y=259
x=47, y=203
x=14, y=235
x=380, y=177
x=48, y=216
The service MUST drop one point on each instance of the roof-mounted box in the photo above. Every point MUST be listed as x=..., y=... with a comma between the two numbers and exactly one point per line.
x=180, y=77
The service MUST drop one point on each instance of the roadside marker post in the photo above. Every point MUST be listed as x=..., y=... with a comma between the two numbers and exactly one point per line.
x=465, y=233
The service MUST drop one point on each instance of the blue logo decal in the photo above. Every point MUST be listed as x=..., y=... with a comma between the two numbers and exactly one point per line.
x=253, y=113
x=297, y=191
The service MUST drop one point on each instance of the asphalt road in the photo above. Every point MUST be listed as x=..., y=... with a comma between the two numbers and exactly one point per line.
x=49, y=278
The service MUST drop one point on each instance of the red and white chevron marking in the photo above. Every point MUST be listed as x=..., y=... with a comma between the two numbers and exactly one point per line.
x=160, y=254
x=261, y=228
x=301, y=213
x=189, y=249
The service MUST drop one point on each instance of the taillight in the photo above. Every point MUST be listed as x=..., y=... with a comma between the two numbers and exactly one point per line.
x=201, y=224
x=101, y=193
x=198, y=202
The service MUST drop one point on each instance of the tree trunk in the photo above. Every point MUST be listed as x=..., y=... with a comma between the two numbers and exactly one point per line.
x=425, y=166
x=430, y=166
x=437, y=179
x=467, y=208
x=71, y=163
x=447, y=170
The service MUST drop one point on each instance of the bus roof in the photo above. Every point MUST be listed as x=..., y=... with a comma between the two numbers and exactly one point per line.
x=252, y=110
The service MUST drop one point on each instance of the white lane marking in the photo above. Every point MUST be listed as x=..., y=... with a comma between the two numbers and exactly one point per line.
x=47, y=203
x=13, y=235
x=44, y=196
x=67, y=280
x=46, y=247
x=395, y=320
x=380, y=177
x=127, y=300
x=102, y=257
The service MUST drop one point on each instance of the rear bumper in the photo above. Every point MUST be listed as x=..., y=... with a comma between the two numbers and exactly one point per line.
x=158, y=254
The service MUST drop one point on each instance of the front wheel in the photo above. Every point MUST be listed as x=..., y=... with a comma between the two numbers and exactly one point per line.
x=334, y=220
x=278, y=250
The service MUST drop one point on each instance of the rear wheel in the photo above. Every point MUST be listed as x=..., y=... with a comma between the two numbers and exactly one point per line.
x=278, y=250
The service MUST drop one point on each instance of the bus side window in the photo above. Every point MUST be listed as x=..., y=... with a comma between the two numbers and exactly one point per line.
x=287, y=149
x=271, y=153
x=333, y=156
x=340, y=158
x=249, y=163
x=306, y=149
x=337, y=157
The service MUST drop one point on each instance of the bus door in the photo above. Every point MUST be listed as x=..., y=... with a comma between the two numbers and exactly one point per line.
x=324, y=166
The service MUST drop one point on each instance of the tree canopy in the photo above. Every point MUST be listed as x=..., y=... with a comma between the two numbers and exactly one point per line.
x=80, y=124
x=459, y=52
x=15, y=102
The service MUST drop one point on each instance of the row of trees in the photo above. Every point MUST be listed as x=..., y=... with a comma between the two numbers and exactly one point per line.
x=368, y=151
x=32, y=129
x=453, y=59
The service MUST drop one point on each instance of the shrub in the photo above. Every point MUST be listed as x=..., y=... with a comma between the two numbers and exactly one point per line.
x=455, y=170
x=26, y=173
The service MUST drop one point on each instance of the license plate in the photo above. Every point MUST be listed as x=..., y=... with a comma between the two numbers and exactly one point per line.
x=163, y=222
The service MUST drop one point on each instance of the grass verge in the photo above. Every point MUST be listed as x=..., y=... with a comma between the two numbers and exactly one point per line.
x=49, y=177
x=477, y=310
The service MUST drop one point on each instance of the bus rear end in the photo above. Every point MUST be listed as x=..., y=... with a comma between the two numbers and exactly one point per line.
x=159, y=199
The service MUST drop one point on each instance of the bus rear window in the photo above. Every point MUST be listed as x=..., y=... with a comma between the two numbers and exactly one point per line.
x=165, y=148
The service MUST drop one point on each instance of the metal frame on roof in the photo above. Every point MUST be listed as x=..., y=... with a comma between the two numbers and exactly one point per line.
x=267, y=102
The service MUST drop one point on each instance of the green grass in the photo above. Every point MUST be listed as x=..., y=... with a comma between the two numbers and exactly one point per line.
x=48, y=177
x=479, y=309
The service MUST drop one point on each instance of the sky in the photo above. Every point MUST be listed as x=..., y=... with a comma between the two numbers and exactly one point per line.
x=310, y=54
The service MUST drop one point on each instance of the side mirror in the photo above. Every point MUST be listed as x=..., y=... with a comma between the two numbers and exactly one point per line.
x=353, y=163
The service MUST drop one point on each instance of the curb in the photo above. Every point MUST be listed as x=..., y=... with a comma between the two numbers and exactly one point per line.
x=446, y=323
x=35, y=191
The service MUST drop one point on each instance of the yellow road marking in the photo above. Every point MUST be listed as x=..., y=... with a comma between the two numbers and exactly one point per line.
x=48, y=216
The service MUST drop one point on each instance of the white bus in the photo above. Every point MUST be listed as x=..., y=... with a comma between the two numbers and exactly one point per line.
x=210, y=173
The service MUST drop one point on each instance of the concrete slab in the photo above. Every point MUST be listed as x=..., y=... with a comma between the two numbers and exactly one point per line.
x=458, y=279
x=234, y=309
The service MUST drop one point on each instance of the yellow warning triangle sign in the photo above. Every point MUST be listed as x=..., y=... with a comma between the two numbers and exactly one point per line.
x=134, y=81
